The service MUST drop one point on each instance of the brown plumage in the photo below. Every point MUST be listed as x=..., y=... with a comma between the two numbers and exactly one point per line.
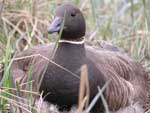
x=113, y=65
x=128, y=79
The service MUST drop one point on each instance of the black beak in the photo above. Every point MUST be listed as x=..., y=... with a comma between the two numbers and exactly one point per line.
x=55, y=25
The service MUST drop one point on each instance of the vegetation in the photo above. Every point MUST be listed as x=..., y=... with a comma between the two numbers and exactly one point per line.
x=23, y=24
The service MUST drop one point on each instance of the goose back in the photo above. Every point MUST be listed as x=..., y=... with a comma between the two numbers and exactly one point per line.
x=127, y=76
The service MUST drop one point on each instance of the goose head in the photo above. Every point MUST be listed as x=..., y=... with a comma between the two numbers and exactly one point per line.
x=73, y=20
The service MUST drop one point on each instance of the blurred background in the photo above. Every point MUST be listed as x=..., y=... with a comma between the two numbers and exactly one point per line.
x=124, y=23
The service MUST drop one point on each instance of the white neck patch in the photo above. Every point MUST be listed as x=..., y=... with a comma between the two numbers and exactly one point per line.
x=72, y=42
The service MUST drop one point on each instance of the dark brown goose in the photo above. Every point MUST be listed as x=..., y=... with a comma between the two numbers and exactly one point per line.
x=128, y=79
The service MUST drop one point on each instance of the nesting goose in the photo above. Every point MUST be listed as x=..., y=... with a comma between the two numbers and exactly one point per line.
x=127, y=78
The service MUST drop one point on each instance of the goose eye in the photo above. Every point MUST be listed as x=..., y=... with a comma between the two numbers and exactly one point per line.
x=73, y=14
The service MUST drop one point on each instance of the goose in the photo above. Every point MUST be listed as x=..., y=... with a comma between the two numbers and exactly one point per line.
x=61, y=87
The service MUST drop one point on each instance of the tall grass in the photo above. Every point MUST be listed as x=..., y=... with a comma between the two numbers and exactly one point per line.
x=23, y=24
